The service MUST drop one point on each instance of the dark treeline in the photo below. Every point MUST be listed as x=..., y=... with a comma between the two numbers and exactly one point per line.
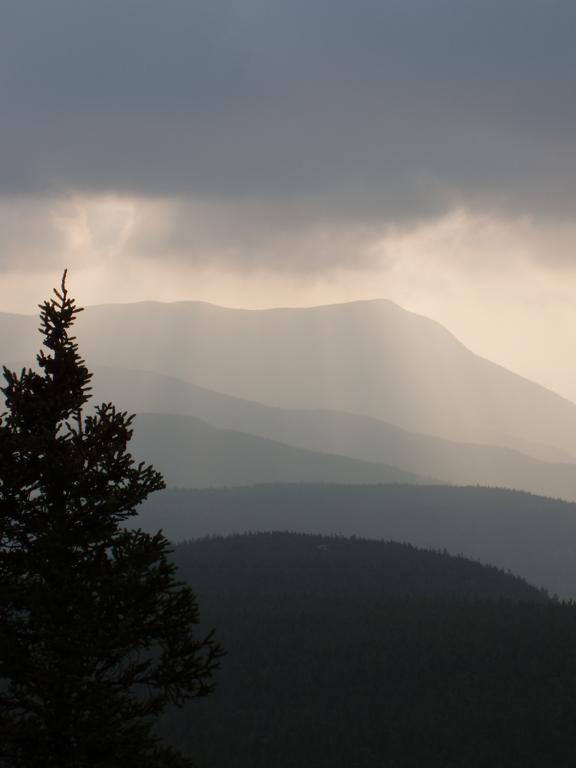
x=355, y=654
x=530, y=535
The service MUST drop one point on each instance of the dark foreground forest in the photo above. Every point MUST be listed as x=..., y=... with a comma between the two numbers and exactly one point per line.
x=344, y=653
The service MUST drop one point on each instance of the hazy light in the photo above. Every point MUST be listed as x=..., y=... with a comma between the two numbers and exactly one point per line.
x=504, y=286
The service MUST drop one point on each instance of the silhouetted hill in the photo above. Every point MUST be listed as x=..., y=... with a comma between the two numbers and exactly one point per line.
x=359, y=437
x=297, y=564
x=353, y=653
x=533, y=536
x=193, y=454
x=371, y=358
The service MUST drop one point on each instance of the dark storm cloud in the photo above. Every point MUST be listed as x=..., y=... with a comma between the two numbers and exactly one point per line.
x=319, y=108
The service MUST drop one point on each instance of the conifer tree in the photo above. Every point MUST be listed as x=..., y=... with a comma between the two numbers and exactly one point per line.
x=97, y=635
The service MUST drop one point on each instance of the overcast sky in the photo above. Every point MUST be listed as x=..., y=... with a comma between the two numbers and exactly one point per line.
x=263, y=152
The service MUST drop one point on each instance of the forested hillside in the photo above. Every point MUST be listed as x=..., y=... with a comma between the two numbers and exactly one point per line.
x=531, y=535
x=351, y=653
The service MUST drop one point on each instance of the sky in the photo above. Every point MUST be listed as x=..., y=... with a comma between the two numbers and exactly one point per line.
x=258, y=153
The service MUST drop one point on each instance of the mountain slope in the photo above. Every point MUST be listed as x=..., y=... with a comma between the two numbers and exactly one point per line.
x=533, y=536
x=355, y=653
x=193, y=454
x=370, y=358
x=359, y=437
x=299, y=564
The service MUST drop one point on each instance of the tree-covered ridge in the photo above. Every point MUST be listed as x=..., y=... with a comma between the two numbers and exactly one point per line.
x=531, y=535
x=344, y=652
x=296, y=564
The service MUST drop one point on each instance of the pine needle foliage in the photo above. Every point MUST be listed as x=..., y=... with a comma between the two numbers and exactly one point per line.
x=97, y=635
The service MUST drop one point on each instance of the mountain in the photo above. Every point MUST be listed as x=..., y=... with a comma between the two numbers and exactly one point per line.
x=361, y=653
x=192, y=454
x=369, y=358
x=359, y=437
x=531, y=535
x=353, y=567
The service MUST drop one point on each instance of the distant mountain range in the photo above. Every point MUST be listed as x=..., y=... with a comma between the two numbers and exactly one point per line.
x=366, y=358
x=193, y=454
x=359, y=437
x=371, y=358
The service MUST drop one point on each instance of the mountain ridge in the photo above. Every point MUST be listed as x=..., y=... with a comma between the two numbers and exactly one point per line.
x=191, y=453
x=369, y=358
x=363, y=653
x=362, y=438
x=530, y=535
x=359, y=437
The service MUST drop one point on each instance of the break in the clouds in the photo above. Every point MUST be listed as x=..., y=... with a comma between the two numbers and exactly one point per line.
x=308, y=110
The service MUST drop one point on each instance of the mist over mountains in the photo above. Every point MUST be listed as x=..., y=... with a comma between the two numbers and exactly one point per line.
x=371, y=358
x=359, y=420
x=323, y=431
x=365, y=381
x=191, y=453
x=328, y=529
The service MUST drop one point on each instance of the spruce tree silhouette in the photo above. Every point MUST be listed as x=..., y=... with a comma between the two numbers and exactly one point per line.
x=97, y=635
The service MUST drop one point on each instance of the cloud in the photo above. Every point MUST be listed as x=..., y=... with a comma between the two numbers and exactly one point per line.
x=358, y=110
x=111, y=233
x=29, y=235
x=40, y=234
x=491, y=280
x=247, y=236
